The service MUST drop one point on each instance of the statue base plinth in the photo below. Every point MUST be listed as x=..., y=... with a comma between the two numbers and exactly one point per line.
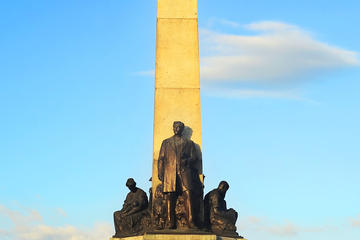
x=180, y=236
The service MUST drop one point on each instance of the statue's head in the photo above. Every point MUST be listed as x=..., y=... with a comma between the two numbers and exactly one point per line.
x=223, y=187
x=131, y=184
x=178, y=128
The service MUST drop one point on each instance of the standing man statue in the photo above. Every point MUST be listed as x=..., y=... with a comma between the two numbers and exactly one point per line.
x=179, y=176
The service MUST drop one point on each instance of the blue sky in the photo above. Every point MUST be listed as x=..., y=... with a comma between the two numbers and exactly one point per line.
x=280, y=114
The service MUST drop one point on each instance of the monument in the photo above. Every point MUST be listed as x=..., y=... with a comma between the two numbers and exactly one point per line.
x=176, y=208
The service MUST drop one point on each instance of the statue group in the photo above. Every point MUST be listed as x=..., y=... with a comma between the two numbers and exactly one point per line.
x=178, y=202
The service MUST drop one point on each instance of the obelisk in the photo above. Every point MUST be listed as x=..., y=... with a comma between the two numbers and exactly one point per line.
x=177, y=73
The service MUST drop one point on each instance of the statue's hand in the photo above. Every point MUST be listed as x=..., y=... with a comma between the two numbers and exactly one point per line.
x=184, y=161
x=124, y=213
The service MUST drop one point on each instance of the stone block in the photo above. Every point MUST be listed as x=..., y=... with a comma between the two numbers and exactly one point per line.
x=177, y=54
x=177, y=9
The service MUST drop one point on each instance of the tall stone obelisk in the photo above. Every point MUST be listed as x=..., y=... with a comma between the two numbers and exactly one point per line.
x=177, y=73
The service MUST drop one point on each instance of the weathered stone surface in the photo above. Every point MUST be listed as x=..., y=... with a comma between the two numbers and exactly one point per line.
x=177, y=9
x=177, y=56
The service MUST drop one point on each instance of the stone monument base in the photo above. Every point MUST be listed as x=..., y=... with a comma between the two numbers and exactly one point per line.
x=179, y=236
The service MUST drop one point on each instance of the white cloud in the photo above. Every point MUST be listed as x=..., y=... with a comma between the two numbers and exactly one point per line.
x=289, y=94
x=283, y=229
x=45, y=232
x=61, y=212
x=30, y=226
x=247, y=93
x=228, y=23
x=278, y=52
x=286, y=229
x=275, y=54
x=355, y=222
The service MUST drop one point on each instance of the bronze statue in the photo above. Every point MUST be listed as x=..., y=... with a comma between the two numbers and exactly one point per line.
x=176, y=203
x=218, y=218
x=133, y=218
x=159, y=209
x=180, y=177
x=180, y=212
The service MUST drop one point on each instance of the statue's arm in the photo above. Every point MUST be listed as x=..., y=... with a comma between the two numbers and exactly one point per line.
x=134, y=209
x=126, y=206
x=215, y=205
x=191, y=157
x=138, y=205
x=194, y=156
x=161, y=162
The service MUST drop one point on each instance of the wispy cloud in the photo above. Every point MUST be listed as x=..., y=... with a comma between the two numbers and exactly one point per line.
x=30, y=226
x=355, y=222
x=276, y=52
x=228, y=23
x=61, y=212
x=247, y=93
x=283, y=229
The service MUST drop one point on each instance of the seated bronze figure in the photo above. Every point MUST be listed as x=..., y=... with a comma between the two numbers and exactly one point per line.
x=218, y=218
x=133, y=218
